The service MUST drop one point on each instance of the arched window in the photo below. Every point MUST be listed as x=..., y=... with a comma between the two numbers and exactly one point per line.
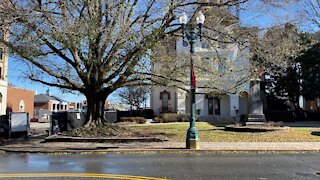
x=165, y=97
x=21, y=106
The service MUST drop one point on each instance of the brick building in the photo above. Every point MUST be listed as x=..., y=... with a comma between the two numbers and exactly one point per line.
x=20, y=100
x=49, y=102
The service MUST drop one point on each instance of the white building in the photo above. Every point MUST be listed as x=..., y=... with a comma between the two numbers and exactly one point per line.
x=3, y=73
x=209, y=105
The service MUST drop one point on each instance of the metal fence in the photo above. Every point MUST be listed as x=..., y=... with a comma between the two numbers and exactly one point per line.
x=14, y=125
x=68, y=120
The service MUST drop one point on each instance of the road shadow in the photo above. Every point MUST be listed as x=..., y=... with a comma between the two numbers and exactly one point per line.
x=91, y=148
x=173, y=148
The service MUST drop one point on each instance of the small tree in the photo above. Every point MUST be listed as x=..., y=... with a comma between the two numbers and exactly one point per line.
x=310, y=73
x=134, y=96
x=299, y=76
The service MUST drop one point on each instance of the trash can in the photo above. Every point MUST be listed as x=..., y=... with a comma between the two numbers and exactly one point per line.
x=59, y=122
x=242, y=119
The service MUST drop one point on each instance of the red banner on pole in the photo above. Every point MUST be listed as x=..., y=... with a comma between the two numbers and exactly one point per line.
x=193, y=77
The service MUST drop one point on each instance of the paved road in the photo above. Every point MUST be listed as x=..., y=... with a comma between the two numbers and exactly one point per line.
x=172, y=166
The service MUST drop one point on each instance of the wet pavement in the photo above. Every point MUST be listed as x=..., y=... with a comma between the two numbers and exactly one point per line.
x=172, y=166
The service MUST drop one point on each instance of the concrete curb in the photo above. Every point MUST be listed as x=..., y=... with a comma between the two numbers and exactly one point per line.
x=93, y=145
x=102, y=140
x=151, y=151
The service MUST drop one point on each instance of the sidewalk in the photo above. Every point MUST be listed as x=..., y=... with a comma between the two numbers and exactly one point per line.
x=37, y=146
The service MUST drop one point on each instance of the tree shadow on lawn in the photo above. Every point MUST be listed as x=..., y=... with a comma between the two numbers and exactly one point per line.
x=219, y=124
x=303, y=124
x=216, y=129
x=315, y=133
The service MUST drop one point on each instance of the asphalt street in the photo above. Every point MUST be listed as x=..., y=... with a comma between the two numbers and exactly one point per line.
x=171, y=166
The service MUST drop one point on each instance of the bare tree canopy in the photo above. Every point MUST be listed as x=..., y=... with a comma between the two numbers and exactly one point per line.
x=311, y=14
x=96, y=46
x=134, y=96
x=90, y=46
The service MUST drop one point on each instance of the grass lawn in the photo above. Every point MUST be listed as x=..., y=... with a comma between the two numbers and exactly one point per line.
x=211, y=133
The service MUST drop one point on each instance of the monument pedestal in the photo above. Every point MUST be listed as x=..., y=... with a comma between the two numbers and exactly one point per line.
x=256, y=116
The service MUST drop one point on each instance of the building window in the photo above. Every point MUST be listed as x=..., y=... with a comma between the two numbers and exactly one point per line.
x=217, y=106
x=210, y=106
x=65, y=107
x=221, y=68
x=1, y=55
x=54, y=107
x=213, y=106
x=204, y=45
x=21, y=106
x=165, y=97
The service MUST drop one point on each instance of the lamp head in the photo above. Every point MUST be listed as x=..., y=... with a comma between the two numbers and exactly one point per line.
x=184, y=18
x=200, y=18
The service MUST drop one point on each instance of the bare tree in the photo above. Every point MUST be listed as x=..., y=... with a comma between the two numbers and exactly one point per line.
x=134, y=96
x=90, y=46
x=310, y=14
x=233, y=53
x=97, y=46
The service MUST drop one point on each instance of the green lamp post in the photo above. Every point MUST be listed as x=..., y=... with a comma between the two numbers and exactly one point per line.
x=189, y=32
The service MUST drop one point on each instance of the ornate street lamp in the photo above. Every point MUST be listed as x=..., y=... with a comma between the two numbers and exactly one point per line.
x=188, y=31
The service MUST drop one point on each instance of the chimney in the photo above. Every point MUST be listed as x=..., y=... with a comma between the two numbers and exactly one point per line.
x=48, y=92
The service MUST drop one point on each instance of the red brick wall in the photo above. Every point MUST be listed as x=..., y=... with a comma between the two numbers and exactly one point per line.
x=15, y=95
x=40, y=106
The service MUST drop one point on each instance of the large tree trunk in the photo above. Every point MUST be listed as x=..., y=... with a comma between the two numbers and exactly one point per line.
x=95, y=108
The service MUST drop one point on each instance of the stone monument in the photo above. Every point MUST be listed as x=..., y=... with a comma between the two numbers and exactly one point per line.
x=256, y=115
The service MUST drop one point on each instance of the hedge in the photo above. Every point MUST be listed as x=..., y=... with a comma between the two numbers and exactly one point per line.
x=172, y=117
x=139, y=120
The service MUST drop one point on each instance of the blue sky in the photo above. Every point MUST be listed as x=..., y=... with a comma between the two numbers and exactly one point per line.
x=264, y=17
x=259, y=15
x=15, y=77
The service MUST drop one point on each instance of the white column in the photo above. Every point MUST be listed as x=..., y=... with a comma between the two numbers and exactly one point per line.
x=181, y=101
x=200, y=103
x=234, y=104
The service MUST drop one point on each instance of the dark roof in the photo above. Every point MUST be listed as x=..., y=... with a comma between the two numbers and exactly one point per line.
x=43, y=98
